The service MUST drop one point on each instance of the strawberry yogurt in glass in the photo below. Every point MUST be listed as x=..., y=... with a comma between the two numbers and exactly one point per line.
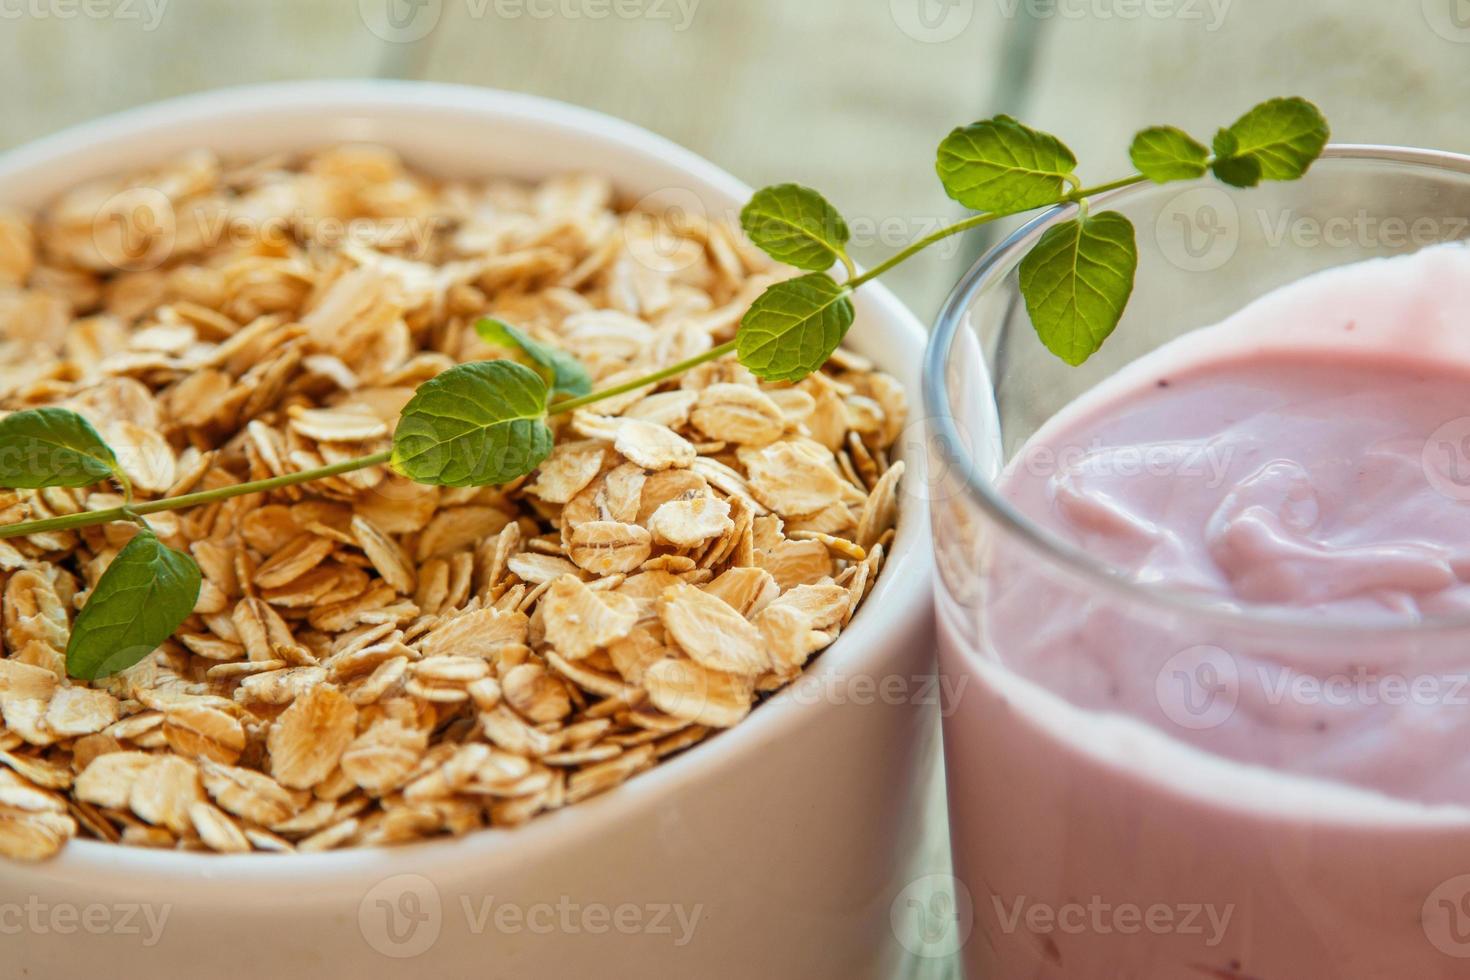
x=1207, y=603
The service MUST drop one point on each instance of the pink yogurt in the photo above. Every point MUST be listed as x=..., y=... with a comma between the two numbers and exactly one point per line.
x=1271, y=779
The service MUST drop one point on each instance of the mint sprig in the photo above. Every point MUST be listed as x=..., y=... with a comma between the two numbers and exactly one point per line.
x=487, y=422
x=1077, y=281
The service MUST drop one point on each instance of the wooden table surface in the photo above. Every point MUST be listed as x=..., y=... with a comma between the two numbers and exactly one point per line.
x=850, y=96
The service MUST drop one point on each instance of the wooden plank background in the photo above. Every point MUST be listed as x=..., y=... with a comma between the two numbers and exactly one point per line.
x=850, y=96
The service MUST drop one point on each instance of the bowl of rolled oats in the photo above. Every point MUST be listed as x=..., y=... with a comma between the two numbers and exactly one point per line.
x=663, y=703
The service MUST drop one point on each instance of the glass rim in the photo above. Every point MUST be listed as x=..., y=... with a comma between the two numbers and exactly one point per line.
x=991, y=268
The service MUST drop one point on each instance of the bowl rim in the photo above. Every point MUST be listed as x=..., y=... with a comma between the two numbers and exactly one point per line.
x=988, y=271
x=890, y=607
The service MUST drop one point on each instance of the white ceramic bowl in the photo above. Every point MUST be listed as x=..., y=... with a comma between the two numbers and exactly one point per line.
x=774, y=850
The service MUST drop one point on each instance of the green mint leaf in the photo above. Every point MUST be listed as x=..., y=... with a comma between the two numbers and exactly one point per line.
x=1278, y=140
x=1233, y=170
x=793, y=327
x=563, y=373
x=474, y=425
x=1237, y=171
x=796, y=225
x=144, y=595
x=52, y=447
x=1164, y=153
x=1077, y=280
x=1000, y=165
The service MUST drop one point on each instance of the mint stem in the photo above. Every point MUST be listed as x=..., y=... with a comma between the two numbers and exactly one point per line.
x=976, y=220
x=88, y=518
x=135, y=511
x=1078, y=195
x=572, y=404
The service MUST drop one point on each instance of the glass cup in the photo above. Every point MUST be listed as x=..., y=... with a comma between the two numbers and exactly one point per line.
x=1145, y=785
